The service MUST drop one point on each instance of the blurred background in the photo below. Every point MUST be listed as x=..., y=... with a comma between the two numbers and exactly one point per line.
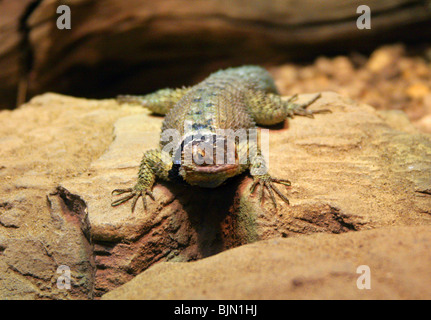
x=138, y=46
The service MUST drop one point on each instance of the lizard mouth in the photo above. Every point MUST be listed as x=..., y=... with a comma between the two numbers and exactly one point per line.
x=218, y=168
x=209, y=176
x=206, y=163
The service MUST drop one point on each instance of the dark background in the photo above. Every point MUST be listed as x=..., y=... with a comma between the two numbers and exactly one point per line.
x=135, y=46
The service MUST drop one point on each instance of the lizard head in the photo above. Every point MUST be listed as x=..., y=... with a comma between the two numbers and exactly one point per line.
x=208, y=161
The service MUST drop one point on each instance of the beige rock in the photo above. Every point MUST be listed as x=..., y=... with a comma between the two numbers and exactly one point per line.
x=384, y=57
x=353, y=169
x=320, y=266
x=42, y=228
x=418, y=90
x=390, y=79
x=424, y=124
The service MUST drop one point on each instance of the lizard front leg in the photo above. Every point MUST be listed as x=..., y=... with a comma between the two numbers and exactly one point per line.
x=261, y=177
x=270, y=109
x=154, y=164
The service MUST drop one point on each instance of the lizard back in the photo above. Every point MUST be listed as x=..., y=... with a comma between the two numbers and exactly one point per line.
x=218, y=102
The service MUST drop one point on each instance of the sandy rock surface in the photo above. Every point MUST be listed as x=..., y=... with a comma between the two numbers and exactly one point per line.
x=319, y=266
x=352, y=170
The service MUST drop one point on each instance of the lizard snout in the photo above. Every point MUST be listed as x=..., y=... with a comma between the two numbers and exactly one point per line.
x=207, y=164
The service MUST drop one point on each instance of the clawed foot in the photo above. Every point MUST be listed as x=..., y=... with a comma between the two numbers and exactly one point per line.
x=266, y=182
x=132, y=193
x=301, y=109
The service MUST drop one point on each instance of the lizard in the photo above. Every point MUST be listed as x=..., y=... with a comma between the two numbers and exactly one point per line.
x=233, y=98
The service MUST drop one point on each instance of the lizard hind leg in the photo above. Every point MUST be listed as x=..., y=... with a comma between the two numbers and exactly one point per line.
x=294, y=109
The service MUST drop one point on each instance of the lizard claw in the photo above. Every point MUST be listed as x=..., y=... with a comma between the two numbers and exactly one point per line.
x=301, y=109
x=133, y=193
x=266, y=182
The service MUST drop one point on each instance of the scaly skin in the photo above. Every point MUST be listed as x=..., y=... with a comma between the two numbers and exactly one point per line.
x=235, y=98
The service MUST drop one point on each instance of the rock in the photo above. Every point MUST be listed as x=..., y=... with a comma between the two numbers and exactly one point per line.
x=383, y=58
x=351, y=170
x=43, y=227
x=390, y=79
x=12, y=14
x=28, y=257
x=71, y=245
x=320, y=266
x=425, y=124
x=11, y=218
x=32, y=264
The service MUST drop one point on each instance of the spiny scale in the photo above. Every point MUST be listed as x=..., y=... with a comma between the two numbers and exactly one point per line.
x=219, y=102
